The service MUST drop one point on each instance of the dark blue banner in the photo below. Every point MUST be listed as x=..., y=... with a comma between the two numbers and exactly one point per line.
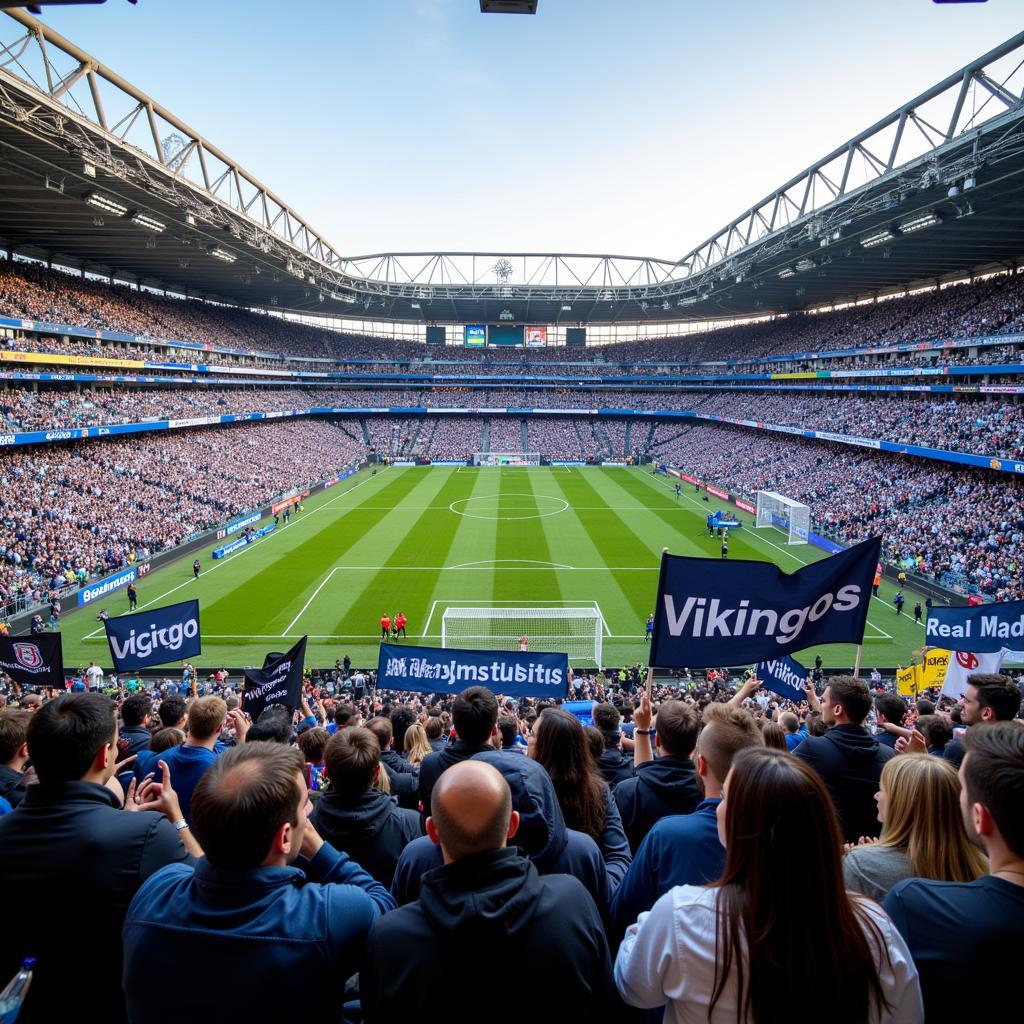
x=35, y=660
x=448, y=670
x=712, y=612
x=278, y=682
x=981, y=628
x=154, y=637
x=785, y=677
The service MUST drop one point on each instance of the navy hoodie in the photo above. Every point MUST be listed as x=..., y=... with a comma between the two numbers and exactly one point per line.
x=850, y=763
x=658, y=789
x=542, y=837
x=371, y=828
x=492, y=909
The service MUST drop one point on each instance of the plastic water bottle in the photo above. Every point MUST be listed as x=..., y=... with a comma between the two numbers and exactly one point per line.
x=13, y=996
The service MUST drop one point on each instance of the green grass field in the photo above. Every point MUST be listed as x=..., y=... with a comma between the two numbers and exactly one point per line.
x=418, y=539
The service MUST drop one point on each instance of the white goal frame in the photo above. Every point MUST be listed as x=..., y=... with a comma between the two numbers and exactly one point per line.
x=506, y=458
x=778, y=512
x=578, y=632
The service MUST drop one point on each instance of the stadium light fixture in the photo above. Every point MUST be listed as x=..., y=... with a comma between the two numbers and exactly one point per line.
x=89, y=170
x=414, y=305
x=143, y=220
x=878, y=238
x=223, y=254
x=687, y=300
x=805, y=264
x=566, y=309
x=666, y=305
x=787, y=272
x=922, y=220
x=106, y=204
x=970, y=182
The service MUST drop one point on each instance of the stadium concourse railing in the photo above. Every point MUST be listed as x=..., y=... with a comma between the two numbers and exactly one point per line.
x=91, y=592
x=745, y=503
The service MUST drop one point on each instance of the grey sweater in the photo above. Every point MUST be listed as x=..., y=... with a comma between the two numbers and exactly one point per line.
x=873, y=870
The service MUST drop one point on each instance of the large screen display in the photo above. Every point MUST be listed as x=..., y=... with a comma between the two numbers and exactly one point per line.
x=536, y=337
x=476, y=335
x=435, y=335
x=504, y=334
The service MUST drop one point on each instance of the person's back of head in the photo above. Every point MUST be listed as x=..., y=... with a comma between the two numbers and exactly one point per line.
x=135, y=710
x=891, y=708
x=13, y=735
x=850, y=696
x=774, y=736
x=65, y=735
x=173, y=712
x=789, y=721
x=206, y=718
x=606, y=717
x=922, y=816
x=352, y=761
x=777, y=823
x=595, y=741
x=343, y=715
x=936, y=731
x=313, y=743
x=925, y=707
x=434, y=727
x=471, y=811
x=401, y=718
x=509, y=729
x=993, y=778
x=727, y=730
x=273, y=726
x=381, y=727
x=249, y=807
x=678, y=725
x=997, y=693
x=475, y=715
x=166, y=739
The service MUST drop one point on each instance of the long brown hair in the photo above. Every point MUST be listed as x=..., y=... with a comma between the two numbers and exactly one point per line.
x=563, y=750
x=782, y=838
x=922, y=815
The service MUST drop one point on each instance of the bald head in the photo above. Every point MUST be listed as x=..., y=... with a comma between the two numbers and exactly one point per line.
x=471, y=811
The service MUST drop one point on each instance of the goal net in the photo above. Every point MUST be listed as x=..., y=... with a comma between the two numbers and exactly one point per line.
x=793, y=518
x=577, y=632
x=506, y=458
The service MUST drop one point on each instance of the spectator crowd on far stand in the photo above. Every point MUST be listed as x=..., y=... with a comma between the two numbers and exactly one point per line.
x=622, y=865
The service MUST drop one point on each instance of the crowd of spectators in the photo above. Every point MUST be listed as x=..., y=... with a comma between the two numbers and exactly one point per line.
x=88, y=509
x=938, y=520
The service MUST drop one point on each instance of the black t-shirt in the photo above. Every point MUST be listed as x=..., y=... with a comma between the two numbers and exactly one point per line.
x=961, y=935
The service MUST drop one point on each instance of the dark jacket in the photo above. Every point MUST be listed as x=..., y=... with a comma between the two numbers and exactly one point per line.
x=542, y=836
x=12, y=787
x=404, y=779
x=658, y=789
x=438, y=745
x=433, y=765
x=372, y=829
x=850, y=764
x=615, y=766
x=71, y=860
x=492, y=908
x=133, y=739
x=294, y=943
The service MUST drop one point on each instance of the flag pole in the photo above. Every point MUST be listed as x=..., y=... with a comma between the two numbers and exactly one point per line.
x=856, y=664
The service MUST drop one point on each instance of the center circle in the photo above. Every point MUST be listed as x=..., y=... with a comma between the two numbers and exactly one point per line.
x=509, y=506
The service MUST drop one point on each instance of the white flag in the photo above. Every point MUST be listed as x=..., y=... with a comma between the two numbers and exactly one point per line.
x=964, y=664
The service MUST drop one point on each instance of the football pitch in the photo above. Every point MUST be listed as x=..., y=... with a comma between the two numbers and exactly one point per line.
x=421, y=539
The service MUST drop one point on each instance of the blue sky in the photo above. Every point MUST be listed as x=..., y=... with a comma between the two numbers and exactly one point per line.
x=619, y=126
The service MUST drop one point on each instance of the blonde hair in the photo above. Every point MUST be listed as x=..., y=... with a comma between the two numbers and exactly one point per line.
x=922, y=815
x=416, y=745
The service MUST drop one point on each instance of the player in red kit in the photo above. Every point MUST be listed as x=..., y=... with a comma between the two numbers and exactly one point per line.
x=400, y=621
x=385, y=626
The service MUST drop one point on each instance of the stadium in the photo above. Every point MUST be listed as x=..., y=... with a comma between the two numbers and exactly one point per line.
x=207, y=404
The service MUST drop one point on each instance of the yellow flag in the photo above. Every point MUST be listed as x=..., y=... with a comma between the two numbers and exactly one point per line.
x=906, y=681
x=933, y=671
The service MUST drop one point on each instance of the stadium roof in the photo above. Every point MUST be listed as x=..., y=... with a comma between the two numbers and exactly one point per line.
x=97, y=175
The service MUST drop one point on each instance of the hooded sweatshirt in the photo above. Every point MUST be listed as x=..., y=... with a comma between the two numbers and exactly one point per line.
x=658, y=789
x=542, y=836
x=490, y=908
x=371, y=828
x=850, y=763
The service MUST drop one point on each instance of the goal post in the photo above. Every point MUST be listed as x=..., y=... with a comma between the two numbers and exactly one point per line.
x=506, y=458
x=792, y=517
x=578, y=632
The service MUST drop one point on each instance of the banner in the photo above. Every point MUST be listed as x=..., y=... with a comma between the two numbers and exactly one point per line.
x=713, y=612
x=36, y=660
x=278, y=682
x=449, y=670
x=983, y=628
x=536, y=337
x=785, y=677
x=154, y=637
x=907, y=684
x=966, y=663
x=120, y=579
x=932, y=671
x=582, y=709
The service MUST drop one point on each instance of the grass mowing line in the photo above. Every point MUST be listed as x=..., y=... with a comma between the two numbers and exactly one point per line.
x=230, y=558
x=323, y=582
x=757, y=533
